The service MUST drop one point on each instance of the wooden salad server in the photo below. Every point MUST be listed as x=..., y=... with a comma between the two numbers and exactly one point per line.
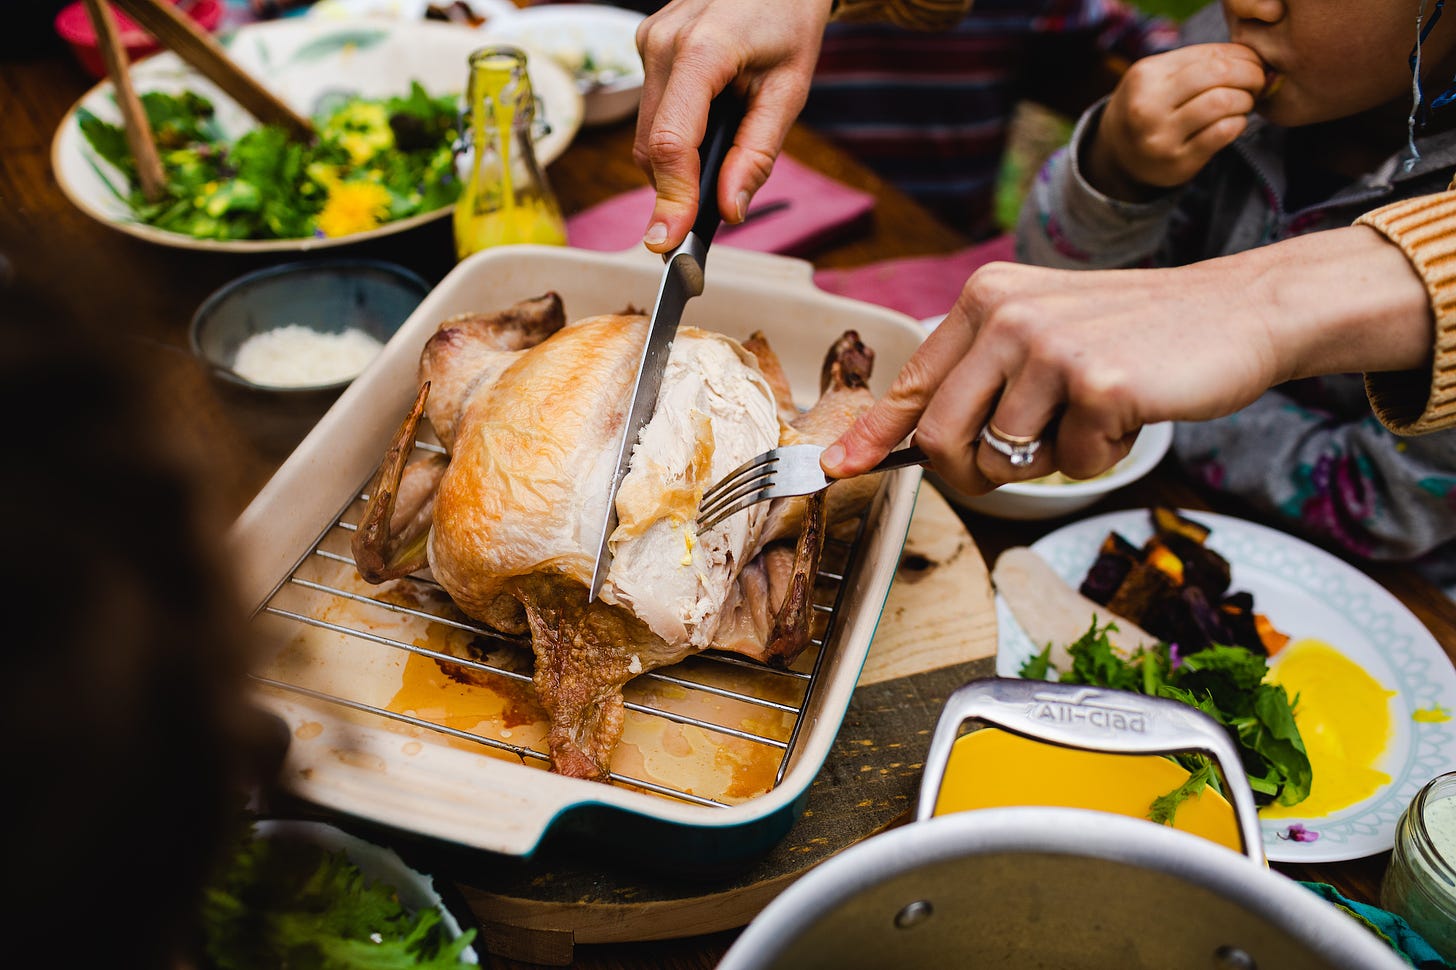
x=134, y=120
x=178, y=32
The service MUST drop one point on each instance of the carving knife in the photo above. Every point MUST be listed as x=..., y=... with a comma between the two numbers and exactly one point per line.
x=682, y=279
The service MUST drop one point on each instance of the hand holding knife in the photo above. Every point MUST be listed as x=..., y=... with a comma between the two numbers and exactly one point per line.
x=682, y=279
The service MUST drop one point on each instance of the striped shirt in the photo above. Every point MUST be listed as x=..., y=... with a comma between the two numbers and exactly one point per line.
x=930, y=112
x=924, y=91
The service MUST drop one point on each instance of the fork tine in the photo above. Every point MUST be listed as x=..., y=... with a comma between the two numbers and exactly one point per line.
x=747, y=500
x=749, y=477
x=757, y=489
x=763, y=460
x=777, y=473
x=781, y=472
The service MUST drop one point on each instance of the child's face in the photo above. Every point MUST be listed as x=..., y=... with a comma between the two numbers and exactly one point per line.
x=1336, y=58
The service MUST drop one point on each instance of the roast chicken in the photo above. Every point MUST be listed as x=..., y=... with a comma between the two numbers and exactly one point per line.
x=530, y=410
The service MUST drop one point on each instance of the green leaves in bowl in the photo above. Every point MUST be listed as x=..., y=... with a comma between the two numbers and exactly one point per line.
x=374, y=161
x=287, y=902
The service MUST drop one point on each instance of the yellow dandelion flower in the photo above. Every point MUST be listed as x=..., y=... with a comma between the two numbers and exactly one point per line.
x=353, y=207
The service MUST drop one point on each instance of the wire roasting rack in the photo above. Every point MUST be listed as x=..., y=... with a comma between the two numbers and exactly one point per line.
x=712, y=692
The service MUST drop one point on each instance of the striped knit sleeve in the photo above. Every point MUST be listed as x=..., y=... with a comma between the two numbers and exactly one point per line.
x=911, y=14
x=1425, y=230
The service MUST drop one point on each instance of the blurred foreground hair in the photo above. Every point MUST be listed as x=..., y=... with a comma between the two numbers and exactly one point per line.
x=130, y=743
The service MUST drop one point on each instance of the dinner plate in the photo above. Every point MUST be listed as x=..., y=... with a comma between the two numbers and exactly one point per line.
x=1305, y=592
x=303, y=60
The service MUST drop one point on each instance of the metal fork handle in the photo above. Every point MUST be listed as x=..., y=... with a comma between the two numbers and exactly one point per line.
x=904, y=457
x=753, y=482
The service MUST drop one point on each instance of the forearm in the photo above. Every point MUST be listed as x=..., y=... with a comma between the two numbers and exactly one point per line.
x=1340, y=301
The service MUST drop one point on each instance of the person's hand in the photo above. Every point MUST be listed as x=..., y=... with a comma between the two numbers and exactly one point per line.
x=1170, y=114
x=1082, y=360
x=692, y=50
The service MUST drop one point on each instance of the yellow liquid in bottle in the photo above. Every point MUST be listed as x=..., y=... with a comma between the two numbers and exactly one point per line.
x=532, y=222
x=506, y=198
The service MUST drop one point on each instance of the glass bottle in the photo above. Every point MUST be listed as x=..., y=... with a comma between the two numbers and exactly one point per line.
x=505, y=198
x=1420, y=881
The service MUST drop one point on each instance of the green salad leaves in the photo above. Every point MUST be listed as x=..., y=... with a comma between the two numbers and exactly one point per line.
x=1226, y=683
x=296, y=904
x=373, y=162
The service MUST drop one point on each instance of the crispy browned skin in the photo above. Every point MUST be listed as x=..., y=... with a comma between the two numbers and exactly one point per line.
x=472, y=349
x=773, y=370
x=583, y=659
x=792, y=623
x=464, y=351
x=390, y=540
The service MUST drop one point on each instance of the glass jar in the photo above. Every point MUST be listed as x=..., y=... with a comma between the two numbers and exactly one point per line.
x=505, y=198
x=1420, y=883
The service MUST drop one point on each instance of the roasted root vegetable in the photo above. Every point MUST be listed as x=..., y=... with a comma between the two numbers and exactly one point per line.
x=1177, y=588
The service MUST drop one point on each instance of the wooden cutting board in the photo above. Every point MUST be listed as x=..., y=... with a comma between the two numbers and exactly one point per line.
x=938, y=631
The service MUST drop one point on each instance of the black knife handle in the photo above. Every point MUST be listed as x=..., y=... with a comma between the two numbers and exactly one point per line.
x=724, y=115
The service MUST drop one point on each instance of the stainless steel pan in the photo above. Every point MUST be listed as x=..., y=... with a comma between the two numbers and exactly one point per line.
x=1061, y=888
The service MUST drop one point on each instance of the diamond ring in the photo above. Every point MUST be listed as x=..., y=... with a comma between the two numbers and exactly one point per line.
x=1019, y=449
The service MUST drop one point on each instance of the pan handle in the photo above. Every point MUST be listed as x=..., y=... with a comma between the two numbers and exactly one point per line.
x=1092, y=719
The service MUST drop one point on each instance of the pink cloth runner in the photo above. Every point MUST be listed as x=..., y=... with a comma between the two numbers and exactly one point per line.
x=802, y=211
x=921, y=286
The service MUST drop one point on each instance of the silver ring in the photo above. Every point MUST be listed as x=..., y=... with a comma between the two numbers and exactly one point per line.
x=1019, y=449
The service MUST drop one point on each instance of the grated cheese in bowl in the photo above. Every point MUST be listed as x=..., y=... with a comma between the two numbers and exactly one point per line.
x=298, y=356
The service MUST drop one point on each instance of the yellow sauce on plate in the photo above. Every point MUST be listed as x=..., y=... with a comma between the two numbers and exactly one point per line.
x=1344, y=718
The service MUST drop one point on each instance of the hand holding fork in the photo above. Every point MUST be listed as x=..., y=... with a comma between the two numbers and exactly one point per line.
x=781, y=473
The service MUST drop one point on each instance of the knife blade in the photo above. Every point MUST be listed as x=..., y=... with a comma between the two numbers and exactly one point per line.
x=682, y=279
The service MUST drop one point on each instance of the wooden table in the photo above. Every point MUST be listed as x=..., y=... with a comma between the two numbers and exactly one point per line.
x=150, y=292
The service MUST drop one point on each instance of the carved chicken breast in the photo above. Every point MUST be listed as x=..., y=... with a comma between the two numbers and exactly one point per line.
x=531, y=411
x=531, y=470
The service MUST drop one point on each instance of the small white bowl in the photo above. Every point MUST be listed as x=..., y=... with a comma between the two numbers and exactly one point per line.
x=328, y=295
x=579, y=36
x=1042, y=500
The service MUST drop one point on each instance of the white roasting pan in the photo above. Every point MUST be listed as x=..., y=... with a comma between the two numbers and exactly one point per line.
x=718, y=753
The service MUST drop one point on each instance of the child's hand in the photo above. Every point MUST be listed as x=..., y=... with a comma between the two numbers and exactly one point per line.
x=1170, y=114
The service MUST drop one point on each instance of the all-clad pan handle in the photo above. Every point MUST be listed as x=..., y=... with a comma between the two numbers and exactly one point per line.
x=1092, y=719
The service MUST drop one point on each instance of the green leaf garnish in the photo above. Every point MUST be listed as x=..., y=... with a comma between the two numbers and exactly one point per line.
x=1224, y=682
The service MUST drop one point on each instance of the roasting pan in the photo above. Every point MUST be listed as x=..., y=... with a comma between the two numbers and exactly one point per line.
x=719, y=752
